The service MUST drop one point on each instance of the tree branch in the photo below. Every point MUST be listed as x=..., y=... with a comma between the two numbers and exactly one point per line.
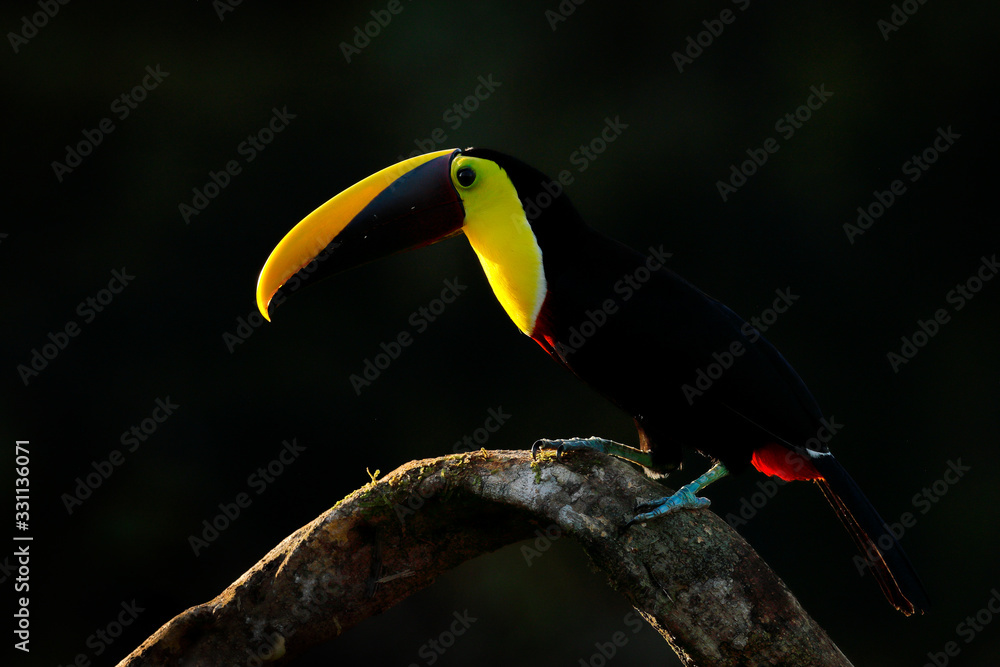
x=689, y=574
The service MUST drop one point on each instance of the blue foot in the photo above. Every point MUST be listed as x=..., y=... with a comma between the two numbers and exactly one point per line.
x=593, y=444
x=685, y=497
x=572, y=444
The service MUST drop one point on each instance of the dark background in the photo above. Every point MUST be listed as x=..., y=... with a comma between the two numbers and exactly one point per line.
x=163, y=335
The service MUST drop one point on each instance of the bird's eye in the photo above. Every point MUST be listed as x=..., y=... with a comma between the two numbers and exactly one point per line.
x=466, y=176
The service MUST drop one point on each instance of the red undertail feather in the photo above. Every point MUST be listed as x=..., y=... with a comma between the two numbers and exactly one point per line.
x=789, y=465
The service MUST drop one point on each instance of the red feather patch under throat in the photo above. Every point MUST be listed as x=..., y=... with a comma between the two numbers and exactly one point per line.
x=789, y=465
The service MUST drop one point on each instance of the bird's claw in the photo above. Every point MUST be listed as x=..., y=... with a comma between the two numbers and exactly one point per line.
x=543, y=443
x=538, y=446
x=685, y=498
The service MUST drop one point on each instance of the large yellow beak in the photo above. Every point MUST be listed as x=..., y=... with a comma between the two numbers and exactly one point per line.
x=408, y=205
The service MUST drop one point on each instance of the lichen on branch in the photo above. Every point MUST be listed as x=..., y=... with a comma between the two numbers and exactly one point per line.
x=692, y=577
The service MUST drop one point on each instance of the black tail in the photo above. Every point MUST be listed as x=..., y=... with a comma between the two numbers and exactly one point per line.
x=879, y=548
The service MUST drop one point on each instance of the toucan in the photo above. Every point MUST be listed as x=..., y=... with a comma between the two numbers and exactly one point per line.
x=686, y=368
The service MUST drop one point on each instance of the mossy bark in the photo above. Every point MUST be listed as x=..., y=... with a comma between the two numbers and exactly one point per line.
x=689, y=574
